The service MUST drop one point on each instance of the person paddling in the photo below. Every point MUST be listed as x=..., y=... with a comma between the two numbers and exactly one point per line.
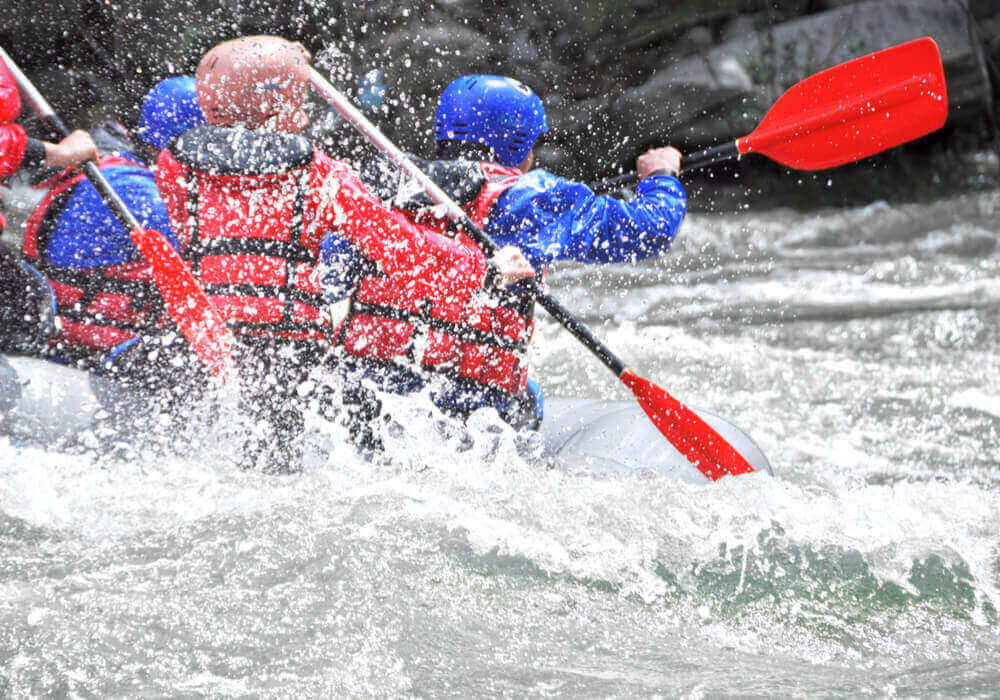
x=252, y=201
x=26, y=309
x=104, y=289
x=486, y=128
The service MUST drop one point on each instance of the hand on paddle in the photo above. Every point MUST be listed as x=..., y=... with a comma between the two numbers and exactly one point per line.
x=664, y=160
x=513, y=266
x=72, y=150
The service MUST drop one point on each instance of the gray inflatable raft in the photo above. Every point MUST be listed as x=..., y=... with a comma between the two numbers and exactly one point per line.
x=45, y=402
x=51, y=404
x=595, y=436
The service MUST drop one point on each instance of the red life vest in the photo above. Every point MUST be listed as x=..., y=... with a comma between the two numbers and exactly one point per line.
x=482, y=342
x=99, y=307
x=238, y=200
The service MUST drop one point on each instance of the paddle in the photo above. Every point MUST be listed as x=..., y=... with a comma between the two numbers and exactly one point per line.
x=186, y=301
x=685, y=430
x=842, y=114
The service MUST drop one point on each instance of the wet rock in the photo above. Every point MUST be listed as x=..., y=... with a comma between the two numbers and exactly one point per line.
x=679, y=98
x=833, y=4
x=615, y=76
x=696, y=39
x=782, y=54
x=982, y=9
x=739, y=27
x=664, y=21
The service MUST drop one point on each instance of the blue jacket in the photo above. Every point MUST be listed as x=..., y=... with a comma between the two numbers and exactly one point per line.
x=551, y=218
x=87, y=234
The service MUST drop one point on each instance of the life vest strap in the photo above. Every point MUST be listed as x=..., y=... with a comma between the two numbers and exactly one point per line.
x=462, y=332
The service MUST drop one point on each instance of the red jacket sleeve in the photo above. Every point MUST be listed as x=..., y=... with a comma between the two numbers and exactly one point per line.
x=10, y=98
x=432, y=265
x=12, y=137
x=12, y=144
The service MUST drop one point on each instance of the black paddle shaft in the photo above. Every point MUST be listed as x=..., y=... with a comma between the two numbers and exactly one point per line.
x=699, y=159
x=100, y=182
x=559, y=312
x=576, y=328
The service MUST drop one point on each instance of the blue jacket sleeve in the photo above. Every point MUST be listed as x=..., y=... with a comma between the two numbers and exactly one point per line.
x=340, y=267
x=551, y=218
x=87, y=234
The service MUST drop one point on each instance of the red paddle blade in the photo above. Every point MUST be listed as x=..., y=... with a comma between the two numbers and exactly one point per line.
x=856, y=109
x=187, y=303
x=686, y=431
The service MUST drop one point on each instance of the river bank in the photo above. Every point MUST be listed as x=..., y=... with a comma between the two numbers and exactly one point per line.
x=616, y=77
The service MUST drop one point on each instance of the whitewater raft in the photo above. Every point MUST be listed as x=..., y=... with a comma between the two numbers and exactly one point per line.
x=51, y=404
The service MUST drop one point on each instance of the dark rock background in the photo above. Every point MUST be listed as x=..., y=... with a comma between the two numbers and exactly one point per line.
x=616, y=77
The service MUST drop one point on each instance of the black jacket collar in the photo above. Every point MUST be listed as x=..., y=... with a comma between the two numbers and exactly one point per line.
x=221, y=150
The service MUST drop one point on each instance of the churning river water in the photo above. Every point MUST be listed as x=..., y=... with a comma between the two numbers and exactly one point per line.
x=857, y=346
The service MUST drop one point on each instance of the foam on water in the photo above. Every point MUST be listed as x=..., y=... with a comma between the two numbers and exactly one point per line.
x=459, y=565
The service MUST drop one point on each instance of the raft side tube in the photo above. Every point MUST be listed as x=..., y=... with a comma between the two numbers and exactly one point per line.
x=48, y=403
x=605, y=437
x=44, y=401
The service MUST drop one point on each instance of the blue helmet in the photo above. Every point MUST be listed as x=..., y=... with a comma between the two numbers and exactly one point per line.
x=498, y=112
x=170, y=109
